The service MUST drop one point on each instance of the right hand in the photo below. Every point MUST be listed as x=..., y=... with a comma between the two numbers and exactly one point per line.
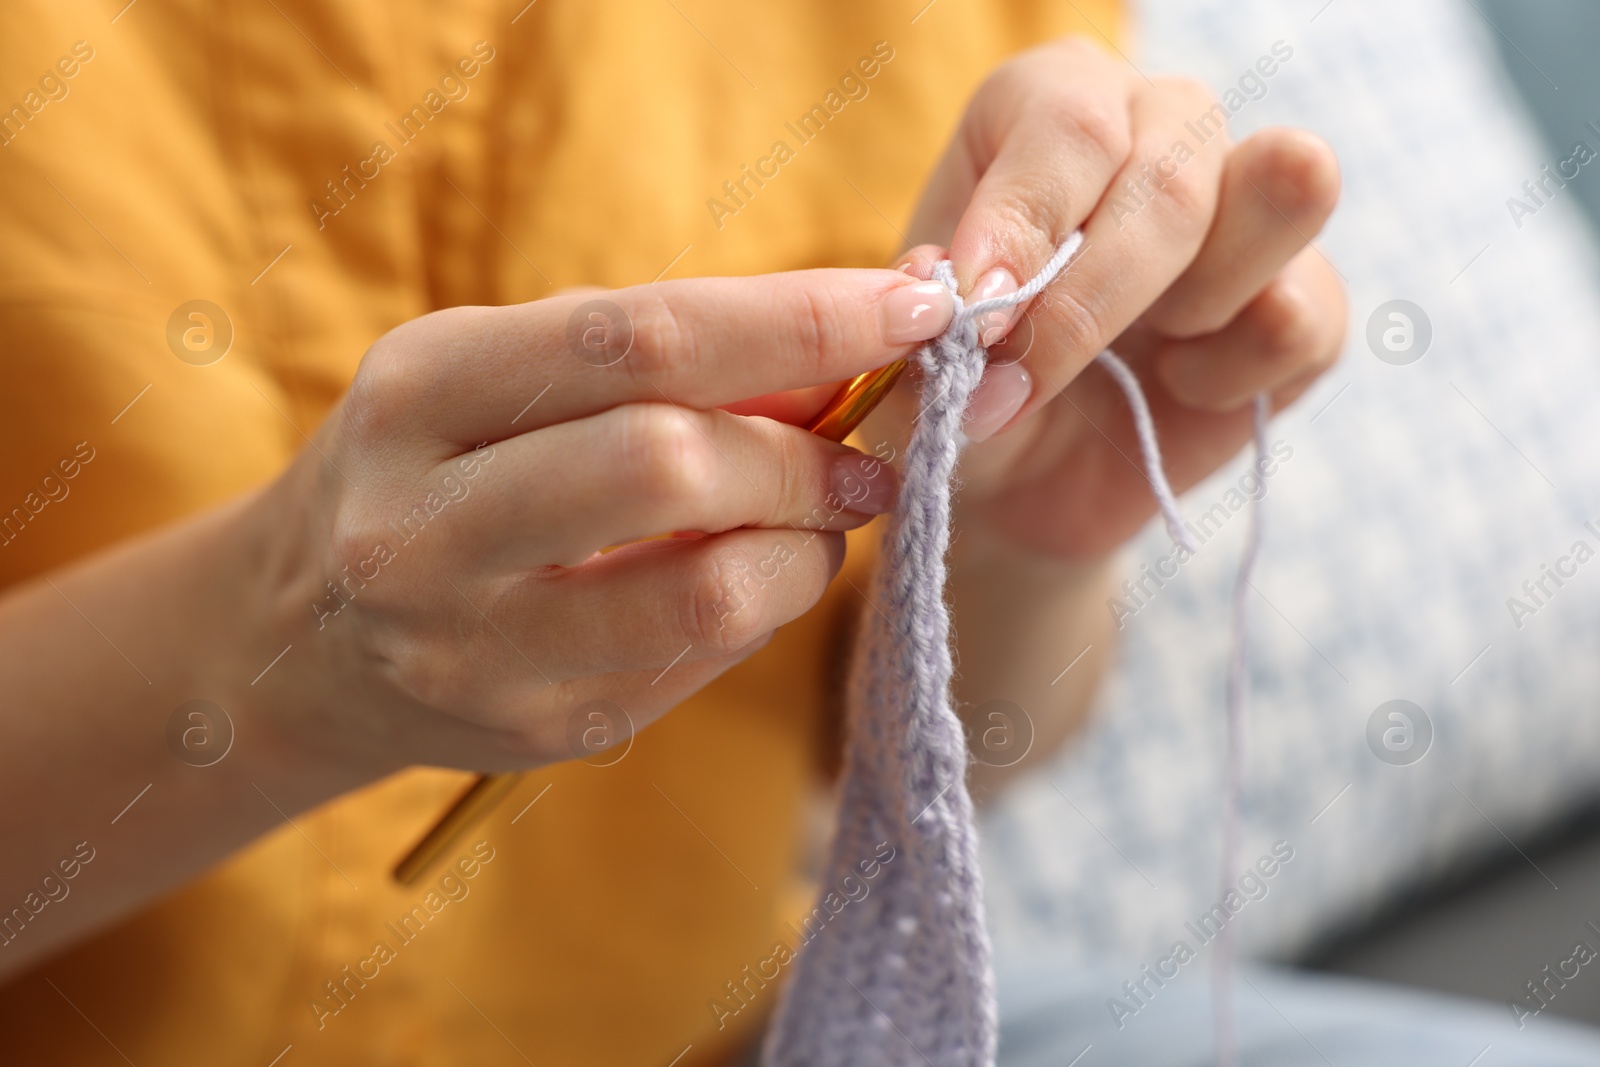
x=437, y=550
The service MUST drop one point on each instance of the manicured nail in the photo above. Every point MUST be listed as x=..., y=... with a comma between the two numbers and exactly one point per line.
x=918, y=312
x=998, y=282
x=867, y=486
x=997, y=400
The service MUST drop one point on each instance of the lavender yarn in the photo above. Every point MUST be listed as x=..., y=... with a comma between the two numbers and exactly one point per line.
x=1145, y=427
x=895, y=968
x=902, y=975
x=1227, y=1045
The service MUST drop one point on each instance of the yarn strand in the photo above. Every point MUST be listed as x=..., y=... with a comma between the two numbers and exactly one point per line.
x=893, y=966
x=1224, y=962
x=1145, y=426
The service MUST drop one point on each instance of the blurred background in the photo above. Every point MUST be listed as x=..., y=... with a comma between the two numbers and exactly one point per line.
x=1425, y=488
x=1496, y=923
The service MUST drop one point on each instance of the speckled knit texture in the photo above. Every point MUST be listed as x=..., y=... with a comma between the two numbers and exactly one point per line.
x=897, y=970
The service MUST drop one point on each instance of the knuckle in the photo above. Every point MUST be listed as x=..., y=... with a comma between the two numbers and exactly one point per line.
x=379, y=399
x=815, y=324
x=1032, y=84
x=665, y=459
x=1024, y=211
x=719, y=613
x=404, y=371
x=1046, y=62
x=1191, y=92
x=662, y=341
x=433, y=677
x=794, y=472
x=1287, y=326
x=1078, y=326
x=1093, y=121
x=1209, y=120
x=1189, y=196
x=1079, y=45
x=436, y=661
x=1007, y=80
x=351, y=536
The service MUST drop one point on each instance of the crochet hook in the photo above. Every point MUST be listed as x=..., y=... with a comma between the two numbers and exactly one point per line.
x=843, y=413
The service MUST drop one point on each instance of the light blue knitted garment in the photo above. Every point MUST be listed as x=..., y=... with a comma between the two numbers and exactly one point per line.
x=895, y=969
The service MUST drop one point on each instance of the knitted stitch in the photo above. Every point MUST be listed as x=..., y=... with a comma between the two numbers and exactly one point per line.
x=895, y=967
x=902, y=974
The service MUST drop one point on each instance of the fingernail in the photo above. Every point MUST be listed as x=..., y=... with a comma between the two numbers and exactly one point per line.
x=998, y=282
x=867, y=486
x=916, y=312
x=918, y=262
x=997, y=400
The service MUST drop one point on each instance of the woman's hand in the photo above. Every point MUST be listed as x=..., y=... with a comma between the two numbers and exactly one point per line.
x=422, y=585
x=441, y=562
x=1195, y=268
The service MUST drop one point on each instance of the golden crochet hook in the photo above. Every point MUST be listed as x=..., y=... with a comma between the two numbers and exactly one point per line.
x=852, y=403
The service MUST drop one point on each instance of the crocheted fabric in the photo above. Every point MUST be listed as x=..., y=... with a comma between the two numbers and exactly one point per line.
x=895, y=966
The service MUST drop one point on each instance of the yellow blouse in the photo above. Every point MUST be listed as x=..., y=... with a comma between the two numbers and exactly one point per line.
x=208, y=211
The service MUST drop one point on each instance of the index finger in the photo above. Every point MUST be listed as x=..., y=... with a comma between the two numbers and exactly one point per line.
x=1142, y=234
x=483, y=374
x=1042, y=140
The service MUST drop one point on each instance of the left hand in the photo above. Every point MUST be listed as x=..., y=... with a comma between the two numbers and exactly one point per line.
x=1203, y=281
